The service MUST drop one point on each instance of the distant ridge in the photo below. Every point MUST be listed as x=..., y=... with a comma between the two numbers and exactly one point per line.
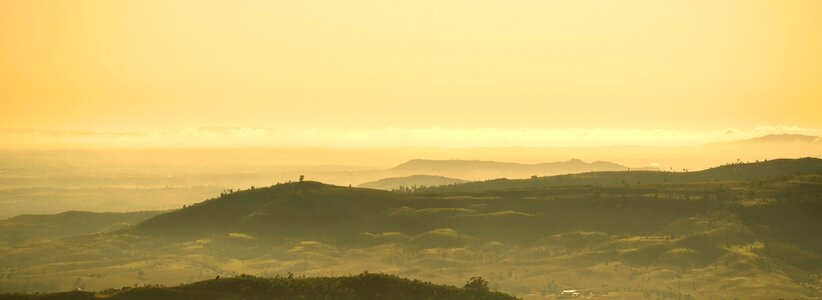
x=778, y=139
x=480, y=169
x=572, y=164
x=738, y=172
x=393, y=183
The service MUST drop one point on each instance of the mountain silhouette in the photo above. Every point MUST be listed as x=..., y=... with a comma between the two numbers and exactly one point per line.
x=778, y=168
x=479, y=169
x=779, y=139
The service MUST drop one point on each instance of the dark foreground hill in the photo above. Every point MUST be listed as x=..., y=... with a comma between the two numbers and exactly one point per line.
x=363, y=286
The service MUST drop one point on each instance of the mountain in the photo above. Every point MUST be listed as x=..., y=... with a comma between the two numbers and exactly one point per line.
x=363, y=286
x=27, y=229
x=739, y=172
x=394, y=183
x=480, y=170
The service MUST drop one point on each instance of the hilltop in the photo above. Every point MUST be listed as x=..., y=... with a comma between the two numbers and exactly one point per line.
x=363, y=286
x=298, y=209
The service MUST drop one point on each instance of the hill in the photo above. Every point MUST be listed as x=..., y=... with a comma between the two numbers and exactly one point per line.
x=363, y=286
x=395, y=183
x=341, y=215
x=315, y=211
x=298, y=209
x=740, y=172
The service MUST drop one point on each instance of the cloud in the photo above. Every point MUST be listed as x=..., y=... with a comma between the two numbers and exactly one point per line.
x=57, y=132
x=730, y=131
x=381, y=137
x=784, y=129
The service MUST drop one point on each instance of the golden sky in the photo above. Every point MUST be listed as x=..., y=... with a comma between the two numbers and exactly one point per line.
x=406, y=73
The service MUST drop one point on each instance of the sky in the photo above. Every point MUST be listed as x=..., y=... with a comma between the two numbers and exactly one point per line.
x=406, y=73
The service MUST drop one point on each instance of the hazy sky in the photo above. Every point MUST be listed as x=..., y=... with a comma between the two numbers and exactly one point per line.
x=406, y=73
